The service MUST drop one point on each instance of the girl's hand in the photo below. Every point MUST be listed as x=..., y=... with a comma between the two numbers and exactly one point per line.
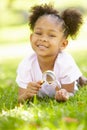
x=33, y=88
x=62, y=95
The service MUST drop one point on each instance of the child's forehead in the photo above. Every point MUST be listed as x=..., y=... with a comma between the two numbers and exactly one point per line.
x=48, y=18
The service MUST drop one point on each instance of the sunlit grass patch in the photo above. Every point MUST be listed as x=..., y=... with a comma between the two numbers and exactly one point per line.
x=47, y=113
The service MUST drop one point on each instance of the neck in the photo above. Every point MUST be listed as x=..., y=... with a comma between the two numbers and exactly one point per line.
x=46, y=63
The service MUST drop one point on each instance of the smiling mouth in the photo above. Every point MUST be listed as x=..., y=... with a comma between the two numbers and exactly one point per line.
x=42, y=47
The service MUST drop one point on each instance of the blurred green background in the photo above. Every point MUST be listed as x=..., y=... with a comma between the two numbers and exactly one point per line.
x=14, y=29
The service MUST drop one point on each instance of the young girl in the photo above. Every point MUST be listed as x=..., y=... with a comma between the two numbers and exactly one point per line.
x=49, y=38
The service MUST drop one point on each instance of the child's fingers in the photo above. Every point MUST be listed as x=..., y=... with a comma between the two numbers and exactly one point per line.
x=40, y=82
x=61, y=96
x=33, y=85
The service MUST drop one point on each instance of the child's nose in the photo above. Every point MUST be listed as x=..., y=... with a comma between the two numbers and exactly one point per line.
x=44, y=38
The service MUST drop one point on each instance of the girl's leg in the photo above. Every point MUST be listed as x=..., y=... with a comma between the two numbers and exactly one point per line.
x=82, y=81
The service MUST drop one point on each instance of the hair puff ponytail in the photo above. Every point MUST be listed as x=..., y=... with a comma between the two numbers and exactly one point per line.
x=73, y=20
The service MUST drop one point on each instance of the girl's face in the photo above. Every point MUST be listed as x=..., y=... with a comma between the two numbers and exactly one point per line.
x=48, y=38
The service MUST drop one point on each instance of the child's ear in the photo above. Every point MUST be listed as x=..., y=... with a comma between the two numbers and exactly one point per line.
x=64, y=44
x=31, y=37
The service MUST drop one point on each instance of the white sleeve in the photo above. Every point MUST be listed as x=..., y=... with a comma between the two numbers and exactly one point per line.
x=23, y=75
x=71, y=72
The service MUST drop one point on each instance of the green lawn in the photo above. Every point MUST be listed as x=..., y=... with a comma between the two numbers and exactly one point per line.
x=40, y=114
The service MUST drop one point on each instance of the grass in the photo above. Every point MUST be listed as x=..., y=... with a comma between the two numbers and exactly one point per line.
x=40, y=114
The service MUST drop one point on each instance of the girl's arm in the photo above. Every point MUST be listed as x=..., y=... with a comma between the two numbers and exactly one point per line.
x=69, y=87
x=22, y=94
x=31, y=90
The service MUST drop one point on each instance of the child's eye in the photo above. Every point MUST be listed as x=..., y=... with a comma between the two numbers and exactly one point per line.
x=51, y=35
x=38, y=33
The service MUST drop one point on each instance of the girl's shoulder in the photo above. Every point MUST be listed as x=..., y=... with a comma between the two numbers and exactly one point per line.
x=65, y=54
x=65, y=59
x=27, y=62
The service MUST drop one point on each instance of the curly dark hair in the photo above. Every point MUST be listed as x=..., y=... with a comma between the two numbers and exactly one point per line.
x=71, y=18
